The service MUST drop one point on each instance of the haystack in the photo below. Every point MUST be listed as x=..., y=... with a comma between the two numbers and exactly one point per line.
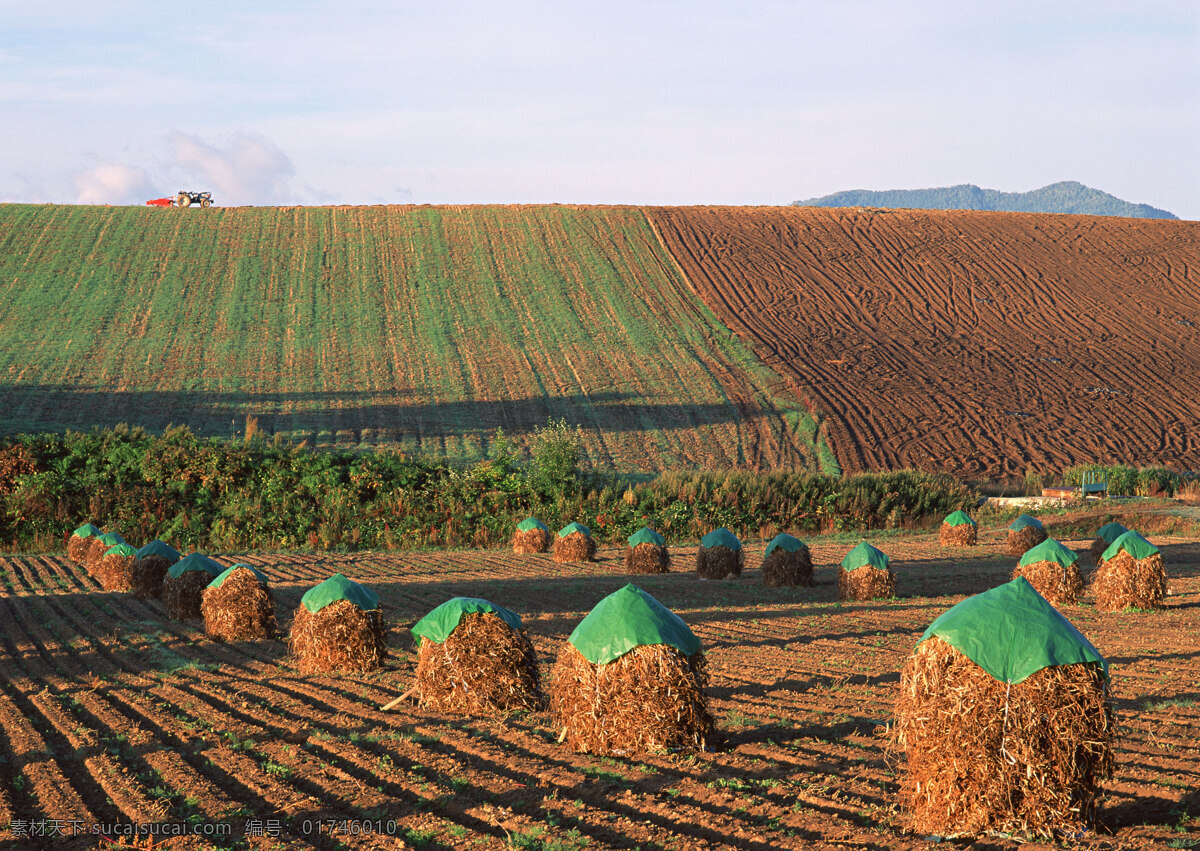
x=97, y=547
x=153, y=562
x=115, y=572
x=866, y=574
x=338, y=627
x=958, y=530
x=532, y=536
x=787, y=561
x=1005, y=716
x=238, y=605
x=1024, y=533
x=631, y=679
x=1105, y=536
x=647, y=552
x=720, y=555
x=574, y=543
x=183, y=586
x=474, y=658
x=1130, y=575
x=79, y=541
x=1053, y=571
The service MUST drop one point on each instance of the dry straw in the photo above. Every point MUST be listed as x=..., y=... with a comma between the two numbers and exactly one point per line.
x=962, y=535
x=651, y=699
x=116, y=572
x=181, y=595
x=148, y=575
x=719, y=561
x=1124, y=582
x=241, y=608
x=1025, y=538
x=984, y=755
x=77, y=548
x=338, y=637
x=483, y=667
x=574, y=547
x=531, y=541
x=647, y=558
x=866, y=583
x=1060, y=584
x=783, y=568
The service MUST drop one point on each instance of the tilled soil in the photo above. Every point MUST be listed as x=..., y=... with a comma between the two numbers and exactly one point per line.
x=114, y=715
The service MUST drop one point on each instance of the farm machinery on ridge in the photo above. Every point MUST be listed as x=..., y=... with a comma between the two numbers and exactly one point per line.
x=183, y=199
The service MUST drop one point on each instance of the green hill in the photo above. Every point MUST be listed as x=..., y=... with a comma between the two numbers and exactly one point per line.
x=1064, y=197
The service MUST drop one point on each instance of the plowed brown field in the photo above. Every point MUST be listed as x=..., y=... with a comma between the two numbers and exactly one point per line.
x=982, y=344
x=114, y=715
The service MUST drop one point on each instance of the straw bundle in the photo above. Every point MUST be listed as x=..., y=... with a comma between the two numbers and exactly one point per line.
x=96, y=549
x=77, y=547
x=181, y=595
x=1060, y=584
x=983, y=755
x=574, y=547
x=866, y=583
x=1025, y=538
x=783, y=568
x=116, y=571
x=340, y=636
x=719, y=561
x=484, y=666
x=148, y=575
x=531, y=541
x=1096, y=550
x=1124, y=582
x=649, y=699
x=647, y=558
x=241, y=608
x=963, y=535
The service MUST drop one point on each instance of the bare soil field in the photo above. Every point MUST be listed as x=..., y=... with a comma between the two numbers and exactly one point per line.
x=982, y=344
x=115, y=715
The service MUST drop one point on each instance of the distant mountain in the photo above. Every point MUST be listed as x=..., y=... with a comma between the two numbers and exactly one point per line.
x=1065, y=197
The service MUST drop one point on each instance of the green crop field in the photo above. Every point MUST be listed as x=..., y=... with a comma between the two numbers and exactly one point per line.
x=420, y=328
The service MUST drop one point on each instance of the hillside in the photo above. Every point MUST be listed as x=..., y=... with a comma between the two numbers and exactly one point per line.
x=1065, y=197
x=983, y=344
x=420, y=328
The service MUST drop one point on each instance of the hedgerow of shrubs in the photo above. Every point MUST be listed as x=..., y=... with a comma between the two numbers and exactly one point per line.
x=210, y=494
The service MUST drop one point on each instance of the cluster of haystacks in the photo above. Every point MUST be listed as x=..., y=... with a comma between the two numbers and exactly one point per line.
x=630, y=679
x=79, y=541
x=647, y=552
x=1024, y=533
x=183, y=586
x=1053, y=571
x=238, y=605
x=1130, y=575
x=958, y=530
x=474, y=658
x=338, y=626
x=574, y=543
x=1005, y=717
x=116, y=568
x=1105, y=536
x=787, y=561
x=97, y=547
x=531, y=536
x=153, y=562
x=866, y=574
x=720, y=555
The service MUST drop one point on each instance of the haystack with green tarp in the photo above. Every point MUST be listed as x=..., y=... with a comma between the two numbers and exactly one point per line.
x=475, y=658
x=1053, y=570
x=531, y=536
x=183, y=586
x=1131, y=575
x=153, y=562
x=720, y=555
x=338, y=626
x=630, y=679
x=1105, y=536
x=97, y=547
x=866, y=574
x=1024, y=533
x=238, y=605
x=646, y=552
x=117, y=567
x=79, y=540
x=787, y=561
x=958, y=530
x=574, y=543
x=1005, y=718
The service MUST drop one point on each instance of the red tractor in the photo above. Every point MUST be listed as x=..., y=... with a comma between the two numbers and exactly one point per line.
x=183, y=199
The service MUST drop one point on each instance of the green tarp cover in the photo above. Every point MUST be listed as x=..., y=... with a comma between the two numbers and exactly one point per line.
x=531, y=523
x=1109, y=532
x=1012, y=633
x=865, y=555
x=195, y=561
x=158, y=548
x=120, y=550
x=225, y=574
x=111, y=539
x=646, y=535
x=572, y=528
x=784, y=541
x=438, y=624
x=338, y=587
x=1132, y=543
x=1023, y=521
x=1049, y=550
x=959, y=518
x=87, y=530
x=721, y=537
x=627, y=619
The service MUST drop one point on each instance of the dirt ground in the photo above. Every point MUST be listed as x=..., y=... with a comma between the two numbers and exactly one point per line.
x=982, y=344
x=115, y=715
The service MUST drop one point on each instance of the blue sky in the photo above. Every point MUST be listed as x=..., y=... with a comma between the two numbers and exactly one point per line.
x=116, y=101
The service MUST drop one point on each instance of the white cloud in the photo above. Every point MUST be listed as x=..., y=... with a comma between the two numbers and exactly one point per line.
x=111, y=182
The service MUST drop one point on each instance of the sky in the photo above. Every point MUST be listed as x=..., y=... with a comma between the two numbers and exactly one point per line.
x=268, y=102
